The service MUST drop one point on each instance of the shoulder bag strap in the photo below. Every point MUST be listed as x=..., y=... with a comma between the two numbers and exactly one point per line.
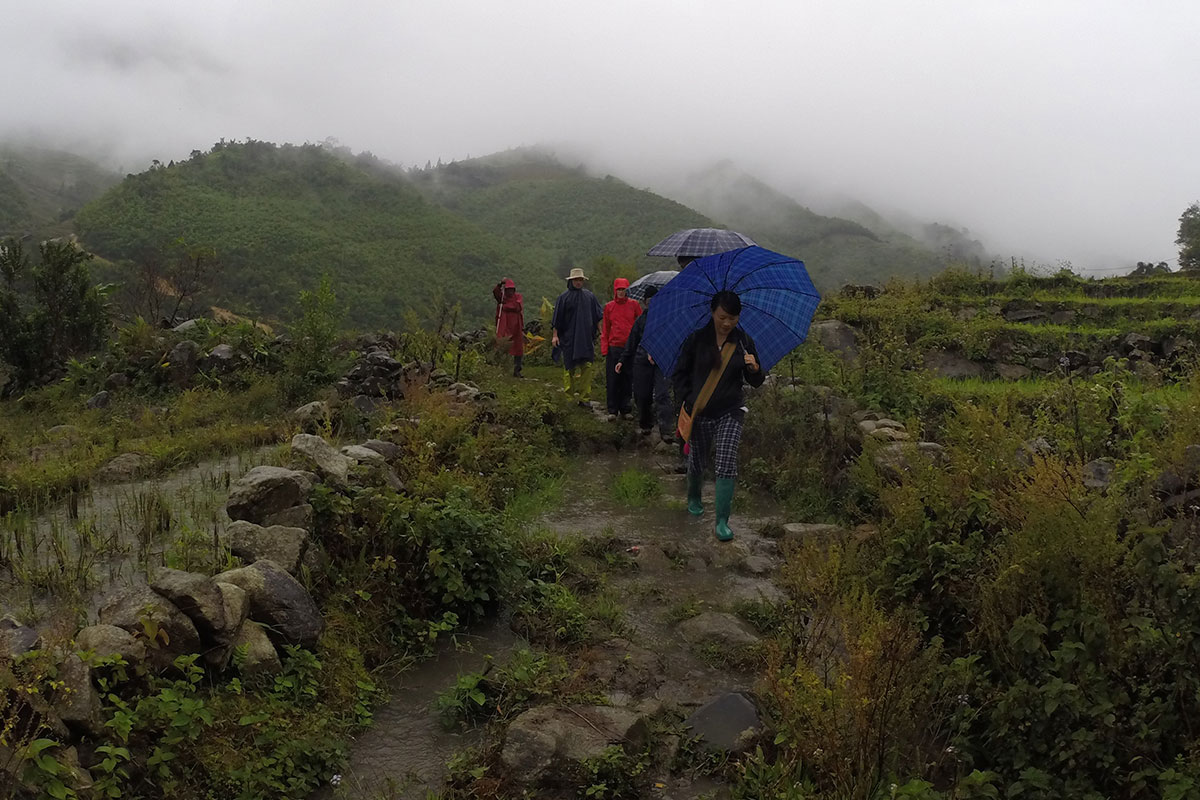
x=714, y=377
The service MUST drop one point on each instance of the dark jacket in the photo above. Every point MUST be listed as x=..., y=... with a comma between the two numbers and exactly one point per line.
x=577, y=314
x=699, y=355
x=633, y=345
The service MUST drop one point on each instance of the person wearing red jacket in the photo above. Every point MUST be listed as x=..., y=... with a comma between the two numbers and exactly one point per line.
x=510, y=321
x=619, y=316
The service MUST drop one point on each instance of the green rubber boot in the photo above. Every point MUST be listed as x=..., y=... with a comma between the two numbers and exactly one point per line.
x=694, y=484
x=724, y=501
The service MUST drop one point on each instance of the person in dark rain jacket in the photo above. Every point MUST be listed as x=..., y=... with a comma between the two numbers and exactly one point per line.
x=651, y=391
x=577, y=314
x=619, y=316
x=717, y=430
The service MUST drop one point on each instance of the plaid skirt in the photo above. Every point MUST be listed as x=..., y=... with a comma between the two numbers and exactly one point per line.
x=718, y=440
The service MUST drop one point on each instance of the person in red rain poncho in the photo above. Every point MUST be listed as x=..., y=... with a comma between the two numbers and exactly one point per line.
x=619, y=315
x=510, y=321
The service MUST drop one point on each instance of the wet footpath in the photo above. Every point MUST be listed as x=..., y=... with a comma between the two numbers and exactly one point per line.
x=673, y=656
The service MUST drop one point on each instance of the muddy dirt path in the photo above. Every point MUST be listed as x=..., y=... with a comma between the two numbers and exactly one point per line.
x=680, y=573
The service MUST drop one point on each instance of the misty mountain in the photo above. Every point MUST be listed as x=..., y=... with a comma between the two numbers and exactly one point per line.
x=953, y=243
x=556, y=213
x=41, y=189
x=859, y=246
x=392, y=240
x=280, y=216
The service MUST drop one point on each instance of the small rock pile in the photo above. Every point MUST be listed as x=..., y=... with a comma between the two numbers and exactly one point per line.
x=376, y=376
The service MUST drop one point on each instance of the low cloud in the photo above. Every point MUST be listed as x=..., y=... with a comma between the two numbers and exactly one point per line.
x=1056, y=130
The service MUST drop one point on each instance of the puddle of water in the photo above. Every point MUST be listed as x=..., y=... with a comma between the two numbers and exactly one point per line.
x=64, y=562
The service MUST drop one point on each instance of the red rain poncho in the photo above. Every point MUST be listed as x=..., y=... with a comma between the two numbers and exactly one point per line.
x=510, y=317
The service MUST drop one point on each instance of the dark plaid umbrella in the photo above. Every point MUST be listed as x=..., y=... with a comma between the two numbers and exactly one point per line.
x=699, y=242
x=778, y=303
x=637, y=289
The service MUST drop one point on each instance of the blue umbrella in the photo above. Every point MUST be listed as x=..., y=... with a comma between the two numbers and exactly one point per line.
x=778, y=303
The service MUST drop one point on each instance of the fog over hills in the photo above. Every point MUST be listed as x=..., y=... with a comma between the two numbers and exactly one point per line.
x=1055, y=129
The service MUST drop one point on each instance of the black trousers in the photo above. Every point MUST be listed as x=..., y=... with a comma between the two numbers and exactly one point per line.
x=619, y=386
x=652, y=392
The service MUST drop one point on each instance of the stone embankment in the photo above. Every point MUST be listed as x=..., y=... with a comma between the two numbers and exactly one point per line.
x=237, y=622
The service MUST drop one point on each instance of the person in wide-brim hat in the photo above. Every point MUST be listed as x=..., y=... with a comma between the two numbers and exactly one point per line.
x=577, y=316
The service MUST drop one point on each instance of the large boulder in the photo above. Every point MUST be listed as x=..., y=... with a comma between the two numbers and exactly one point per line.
x=237, y=607
x=1023, y=311
x=182, y=361
x=549, y=744
x=318, y=453
x=1098, y=474
x=221, y=358
x=104, y=641
x=622, y=666
x=364, y=456
x=731, y=724
x=897, y=458
x=75, y=699
x=1136, y=341
x=143, y=611
x=948, y=364
x=278, y=601
x=124, y=467
x=716, y=628
x=261, y=658
x=388, y=450
x=199, y=597
x=16, y=639
x=283, y=545
x=264, y=491
x=312, y=416
x=237, y=603
x=837, y=336
x=1013, y=372
x=300, y=516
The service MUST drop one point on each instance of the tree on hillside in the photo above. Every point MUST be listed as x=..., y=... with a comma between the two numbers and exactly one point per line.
x=1189, y=238
x=603, y=270
x=168, y=282
x=53, y=314
x=1147, y=268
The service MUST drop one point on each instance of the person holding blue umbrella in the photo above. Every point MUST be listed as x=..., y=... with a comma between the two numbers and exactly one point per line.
x=714, y=363
x=718, y=326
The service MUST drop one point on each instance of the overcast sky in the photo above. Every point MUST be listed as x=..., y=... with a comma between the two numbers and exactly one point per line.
x=1063, y=130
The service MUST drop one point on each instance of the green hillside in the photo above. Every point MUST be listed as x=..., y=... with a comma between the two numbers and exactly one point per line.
x=280, y=216
x=835, y=250
x=557, y=214
x=41, y=189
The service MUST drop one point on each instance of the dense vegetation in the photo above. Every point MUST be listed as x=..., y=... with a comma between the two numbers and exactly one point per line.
x=49, y=310
x=1013, y=616
x=1010, y=617
x=556, y=214
x=279, y=217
